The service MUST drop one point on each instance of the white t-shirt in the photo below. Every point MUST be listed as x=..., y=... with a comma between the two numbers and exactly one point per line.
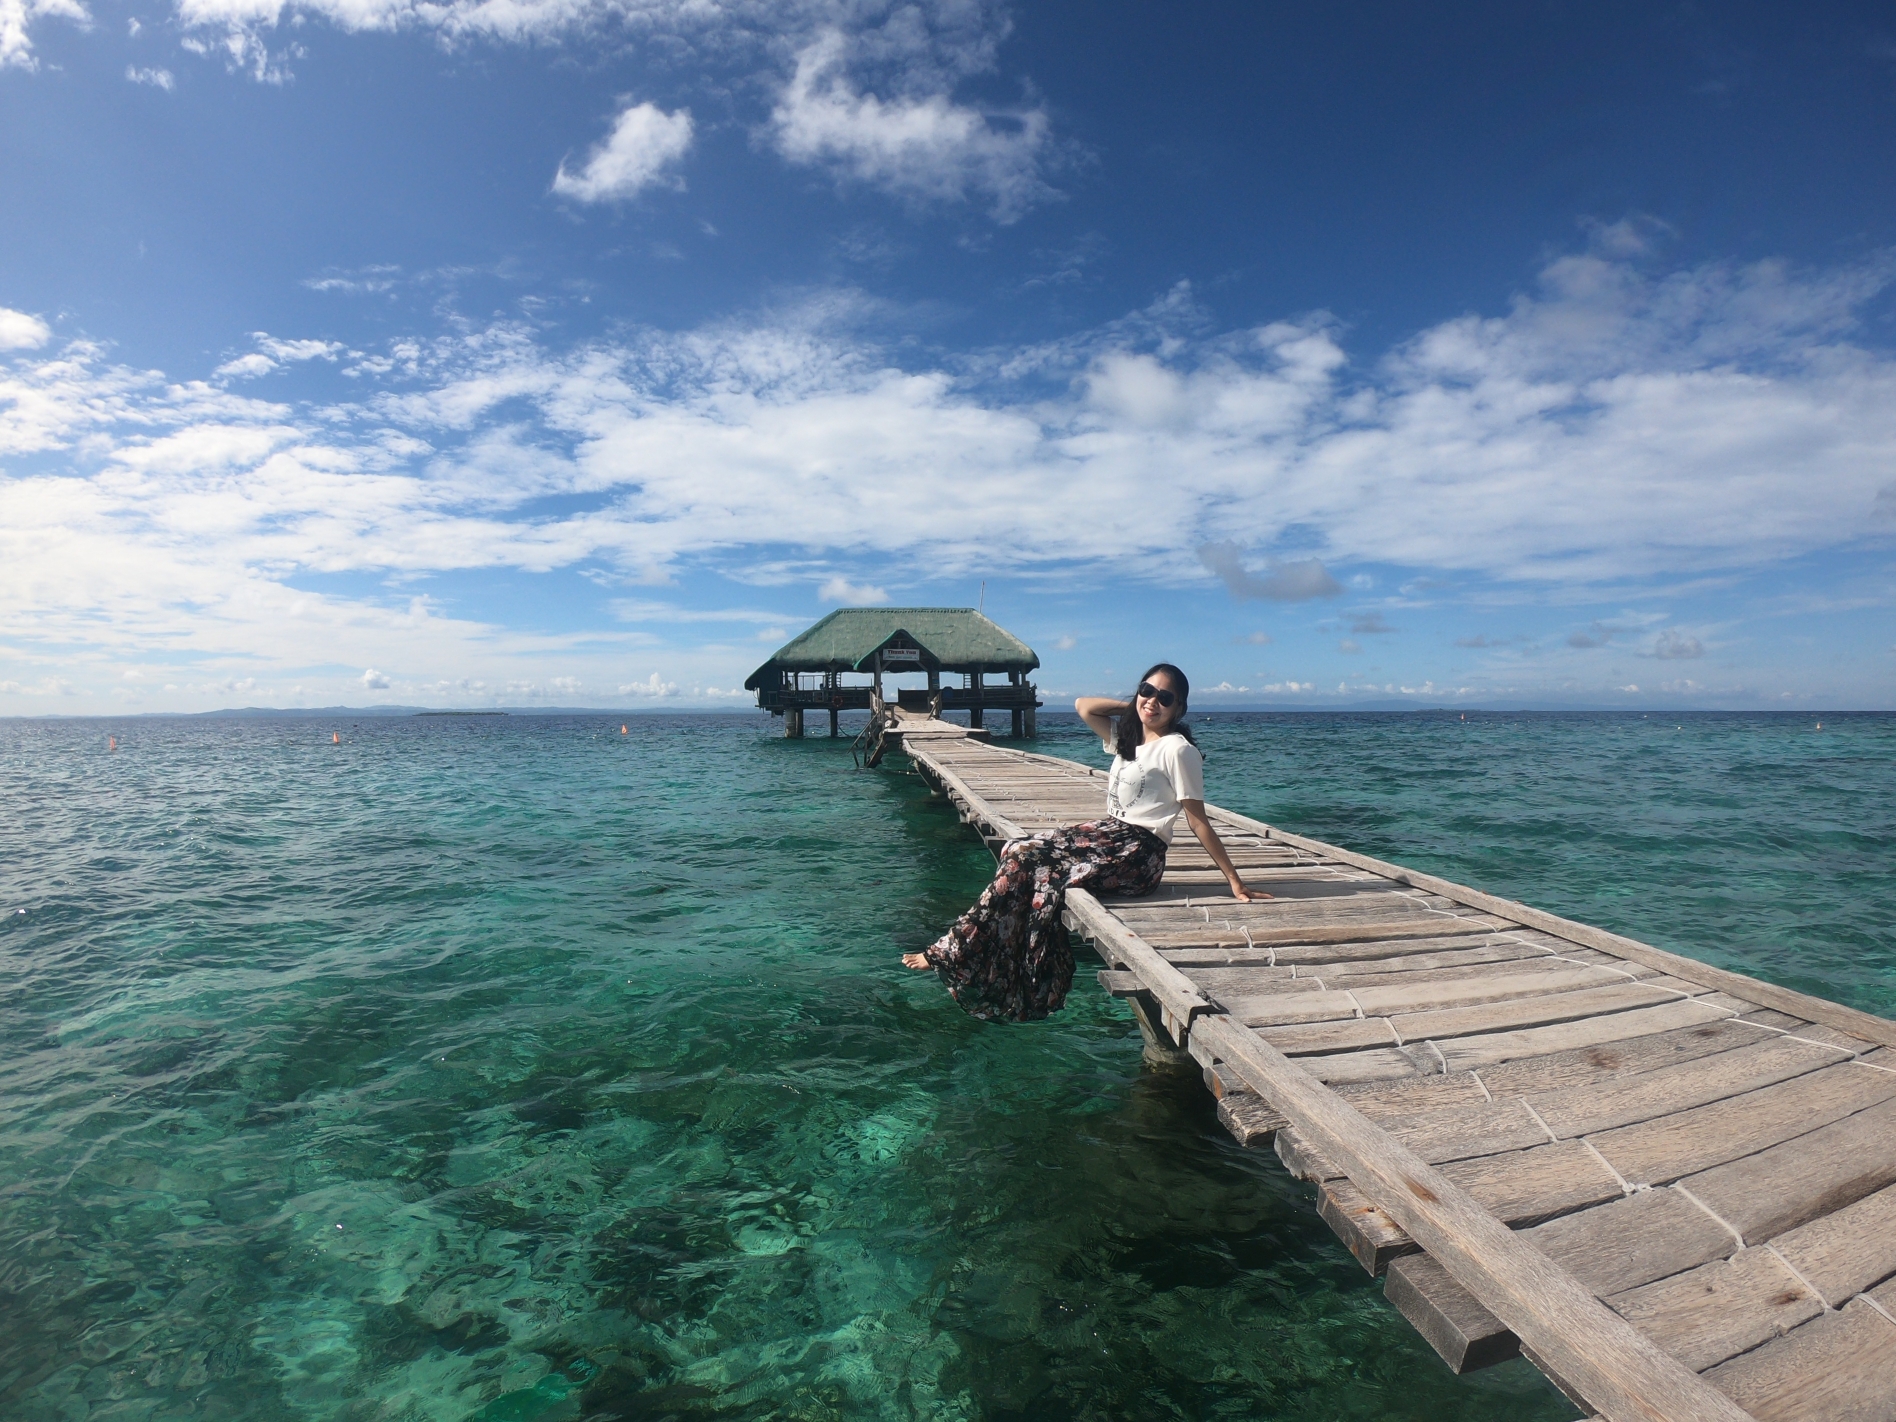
x=1146, y=791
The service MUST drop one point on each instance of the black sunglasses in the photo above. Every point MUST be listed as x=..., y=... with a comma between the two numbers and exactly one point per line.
x=1158, y=693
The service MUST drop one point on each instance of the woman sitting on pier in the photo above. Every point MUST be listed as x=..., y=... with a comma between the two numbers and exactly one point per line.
x=1008, y=956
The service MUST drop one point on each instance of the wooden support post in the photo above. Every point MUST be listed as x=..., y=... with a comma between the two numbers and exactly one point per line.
x=1032, y=731
x=1158, y=1050
x=974, y=711
x=793, y=723
x=835, y=727
x=1017, y=723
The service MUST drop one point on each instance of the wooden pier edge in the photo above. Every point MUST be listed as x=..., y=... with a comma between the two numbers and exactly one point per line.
x=1623, y=1375
x=1641, y=1243
x=1812, y=1009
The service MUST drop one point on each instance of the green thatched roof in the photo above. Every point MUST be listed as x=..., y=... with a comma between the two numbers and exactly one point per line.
x=953, y=638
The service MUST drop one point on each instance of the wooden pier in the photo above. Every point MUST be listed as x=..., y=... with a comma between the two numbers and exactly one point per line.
x=1672, y=1187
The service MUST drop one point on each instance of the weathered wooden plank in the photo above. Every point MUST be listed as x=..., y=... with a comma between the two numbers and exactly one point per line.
x=1374, y=972
x=1273, y=1009
x=1763, y=1195
x=1621, y=1057
x=1363, y=917
x=1842, y=1254
x=1837, y=1368
x=1509, y=1124
x=1432, y=993
x=1173, y=990
x=1271, y=868
x=1525, y=1186
x=1220, y=1080
x=1686, y=1142
x=1594, y=1350
x=1488, y=1128
x=1422, y=988
x=1330, y=1036
x=1812, y=1009
x=1466, y=1053
x=1681, y=1087
x=1534, y=1011
x=1314, y=956
x=1300, y=902
x=1626, y=1052
x=1467, y=1336
x=1369, y=1066
x=1632, y=1241
x=1849, y=1041
x=1368, y=1231
x=1245, y=979
x=1251, y=1119
x=1384, y=1101
x=1207, y=935
x=1721, y=1309
x=1518, y=1187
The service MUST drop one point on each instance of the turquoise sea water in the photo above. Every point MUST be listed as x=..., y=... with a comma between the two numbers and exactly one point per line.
x=517, y=1069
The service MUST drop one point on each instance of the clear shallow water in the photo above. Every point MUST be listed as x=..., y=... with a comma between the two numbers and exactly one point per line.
x=514, y=1069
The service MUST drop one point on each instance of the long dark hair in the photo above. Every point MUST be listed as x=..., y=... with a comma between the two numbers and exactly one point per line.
x=1131, y=733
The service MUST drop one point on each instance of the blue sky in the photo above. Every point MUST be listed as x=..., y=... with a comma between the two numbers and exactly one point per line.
x=543, y=352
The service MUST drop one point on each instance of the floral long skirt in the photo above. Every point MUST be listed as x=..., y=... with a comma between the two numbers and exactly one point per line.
x=1009, y=956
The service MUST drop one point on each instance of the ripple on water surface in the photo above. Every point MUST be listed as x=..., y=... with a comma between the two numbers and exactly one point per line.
x=517, y=1069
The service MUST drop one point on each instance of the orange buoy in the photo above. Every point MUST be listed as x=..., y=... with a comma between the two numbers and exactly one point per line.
x=111, y=742
x=622, y=730
x=335, y=738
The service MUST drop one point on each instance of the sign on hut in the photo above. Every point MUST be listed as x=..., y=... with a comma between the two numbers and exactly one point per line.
x=957, y=648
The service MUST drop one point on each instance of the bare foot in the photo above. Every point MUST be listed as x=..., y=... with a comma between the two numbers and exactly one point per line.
x=917, y=961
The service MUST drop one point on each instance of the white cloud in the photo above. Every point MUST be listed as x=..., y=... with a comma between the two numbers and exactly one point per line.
x=644, y=142
x=373, y=680
x=16, y=47
x=653, y=687
x=864, y=92
x=157, y=78
x=245, y=367
x=923, y=147
x=1725, y=421
x=21, y=332
x=296, y=350
x=366, y=280
x=841, y=590
x=272, y=353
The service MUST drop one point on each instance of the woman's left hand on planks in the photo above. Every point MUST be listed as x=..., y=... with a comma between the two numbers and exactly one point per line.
x=1246, y=895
